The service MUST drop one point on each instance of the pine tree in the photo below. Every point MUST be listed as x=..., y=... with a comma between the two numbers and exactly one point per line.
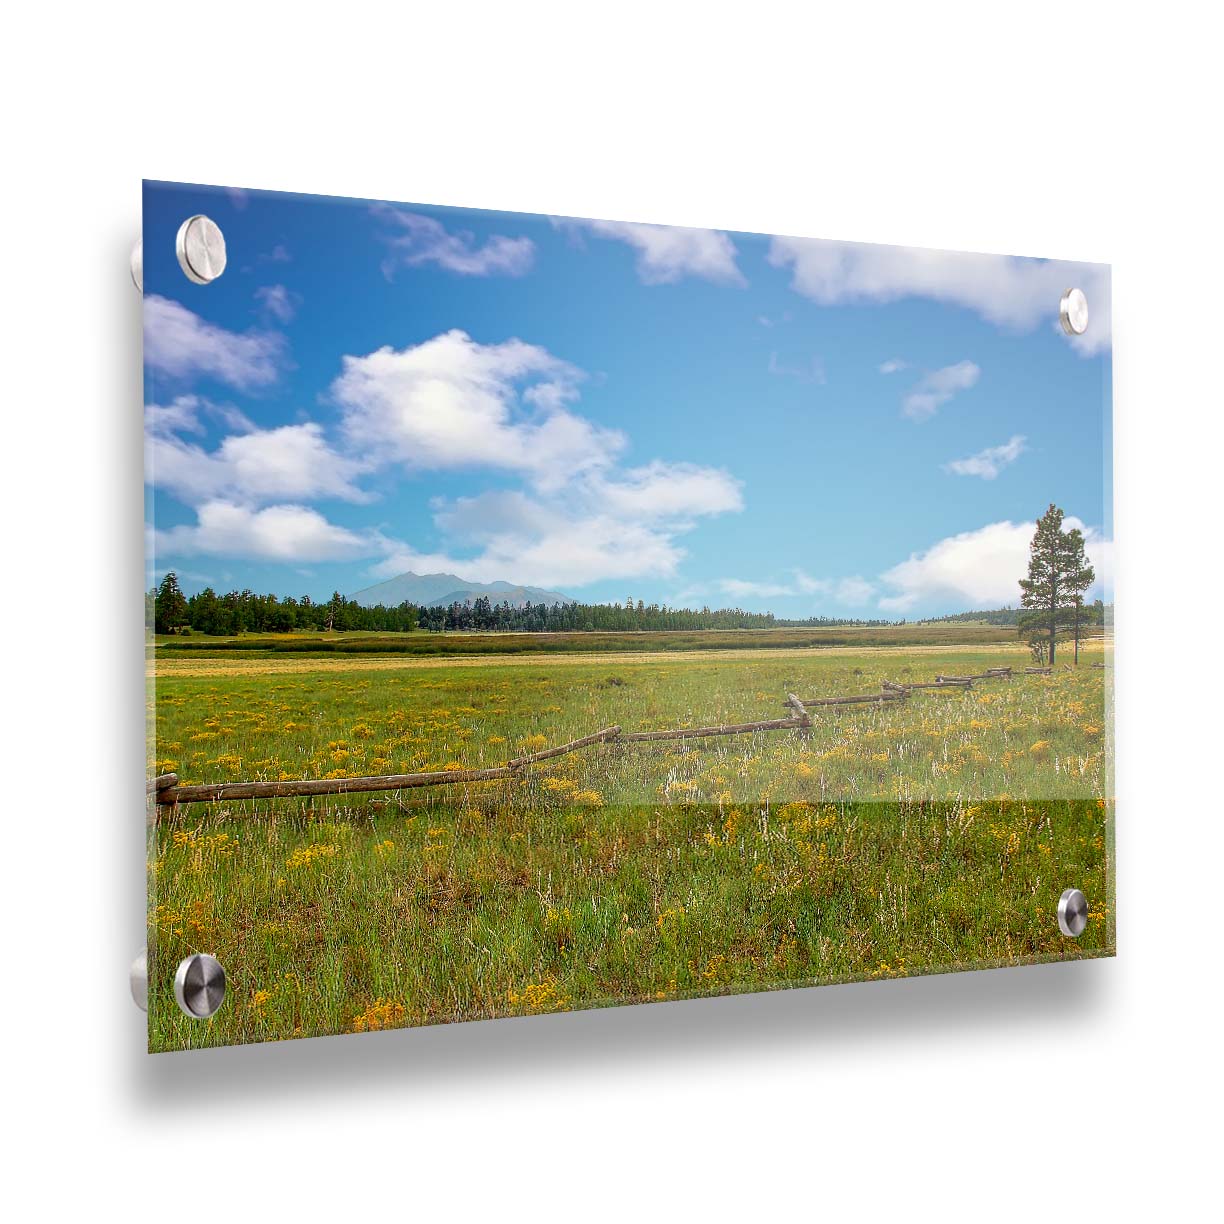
x=1079, y=578
x=1058, y=576
x=335, y=612
x=170, y=606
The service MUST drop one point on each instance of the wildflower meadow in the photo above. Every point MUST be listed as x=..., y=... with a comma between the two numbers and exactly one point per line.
x=912, y=837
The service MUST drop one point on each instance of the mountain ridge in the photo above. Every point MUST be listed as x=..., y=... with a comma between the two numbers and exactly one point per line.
x=442, y=590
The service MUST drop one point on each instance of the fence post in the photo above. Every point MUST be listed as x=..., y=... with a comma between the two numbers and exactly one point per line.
x=805, y=719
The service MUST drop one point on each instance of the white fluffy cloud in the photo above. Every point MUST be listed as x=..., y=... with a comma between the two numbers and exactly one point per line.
x=557, y=551
x=287, y=533
x=453, y=403
x=1006, y=290
x=668, y=253
x=980, y=569
x=294, y=462
x=597, y=527
x=180, y=344
x=415, y=239
x=990, y=462
x=937, y=387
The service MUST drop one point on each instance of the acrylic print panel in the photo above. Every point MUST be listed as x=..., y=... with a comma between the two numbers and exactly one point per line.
x=547, y=614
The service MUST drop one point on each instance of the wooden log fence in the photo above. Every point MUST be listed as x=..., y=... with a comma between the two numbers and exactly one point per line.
x=866, y=699
x=547, y=754
x=219, y=791
x=770, y=724
x=800, y=709
x=958, y=685
x=950, y=682
x=169, y=793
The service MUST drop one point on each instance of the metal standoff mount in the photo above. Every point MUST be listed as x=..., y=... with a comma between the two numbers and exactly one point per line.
x=136, y=263
x=138, y=980
x=199, y=986
x=1073, y=312
x=1072, y=913
x=200, y=247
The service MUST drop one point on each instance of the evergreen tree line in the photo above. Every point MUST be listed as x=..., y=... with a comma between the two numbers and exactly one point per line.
x=168, y=610
x=1093, y=614
x=484, y=615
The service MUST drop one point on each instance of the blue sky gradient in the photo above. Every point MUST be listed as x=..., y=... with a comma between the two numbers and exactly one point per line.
x=689, y=417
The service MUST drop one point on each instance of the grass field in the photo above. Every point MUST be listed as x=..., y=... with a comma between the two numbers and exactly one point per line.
x=457, y=644
x=891, y=840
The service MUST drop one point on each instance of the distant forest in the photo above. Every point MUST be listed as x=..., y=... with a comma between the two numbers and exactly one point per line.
x=1094, y=614
x=168, y=610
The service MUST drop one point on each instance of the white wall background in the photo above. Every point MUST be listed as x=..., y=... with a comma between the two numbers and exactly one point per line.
x=1076, y=130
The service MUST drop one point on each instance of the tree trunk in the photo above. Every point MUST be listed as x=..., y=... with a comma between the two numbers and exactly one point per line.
x=1054, y=618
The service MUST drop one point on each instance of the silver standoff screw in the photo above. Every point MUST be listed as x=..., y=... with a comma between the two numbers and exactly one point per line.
x=199, y=986
x=200, y=247
x=1073, y=312
x=138, y=980
x=1072, y=913
x=137, y=265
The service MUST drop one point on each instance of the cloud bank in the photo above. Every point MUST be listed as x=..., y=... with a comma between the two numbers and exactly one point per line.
x=1005, y=290
x=181, y=345
x=574, y=512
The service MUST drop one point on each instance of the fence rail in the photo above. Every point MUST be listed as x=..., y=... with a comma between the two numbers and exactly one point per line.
x=169, y=793
x=218, y=791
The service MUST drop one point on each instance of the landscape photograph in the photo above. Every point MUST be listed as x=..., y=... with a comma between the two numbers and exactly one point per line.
x=547, y=614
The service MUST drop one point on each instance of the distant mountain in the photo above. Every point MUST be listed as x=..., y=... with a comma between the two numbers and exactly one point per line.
x=442, y=590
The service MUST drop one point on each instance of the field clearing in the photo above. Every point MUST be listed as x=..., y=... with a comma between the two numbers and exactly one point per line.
x=452, y=644
x=237, y=664
x=908, y=838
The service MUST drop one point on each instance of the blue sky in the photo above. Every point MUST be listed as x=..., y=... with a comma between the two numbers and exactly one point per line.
x=609, y=409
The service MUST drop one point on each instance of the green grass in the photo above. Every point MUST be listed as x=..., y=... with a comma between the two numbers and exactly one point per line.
x=904, y=839
x=457, y=644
